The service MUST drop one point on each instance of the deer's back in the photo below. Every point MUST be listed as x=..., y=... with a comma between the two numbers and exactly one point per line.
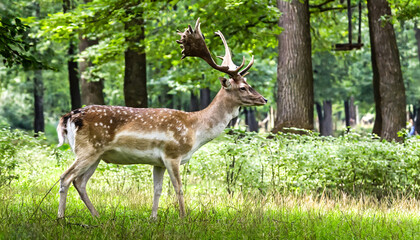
x=126, y=135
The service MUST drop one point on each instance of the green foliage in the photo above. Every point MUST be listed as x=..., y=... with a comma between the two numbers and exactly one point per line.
x=351, y=163
x=11, y=143
x=405, y=9
x=7, y=153
x=249, y=26
x=14, y=45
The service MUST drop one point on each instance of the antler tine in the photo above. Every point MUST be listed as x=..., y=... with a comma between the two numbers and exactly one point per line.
x=193, y=44
x=227, y=59
x=244, y=71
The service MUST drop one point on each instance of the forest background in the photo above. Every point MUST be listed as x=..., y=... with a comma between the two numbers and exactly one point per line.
x=320, y=72
x=124, y=53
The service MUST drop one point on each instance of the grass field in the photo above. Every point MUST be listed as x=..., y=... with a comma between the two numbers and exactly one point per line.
x=123, y=197
x=125, y=215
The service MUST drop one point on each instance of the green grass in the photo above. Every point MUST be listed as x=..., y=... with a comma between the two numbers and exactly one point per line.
x=125, y=209
x=123, y=196
x=125, y=214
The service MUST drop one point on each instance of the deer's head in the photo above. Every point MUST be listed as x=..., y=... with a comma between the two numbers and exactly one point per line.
x=236, y=86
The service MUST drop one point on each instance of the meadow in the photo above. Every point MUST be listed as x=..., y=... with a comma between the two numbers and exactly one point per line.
x=240, y=186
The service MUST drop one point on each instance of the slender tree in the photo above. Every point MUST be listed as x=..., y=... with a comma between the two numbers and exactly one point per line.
x=389, y=90
x=328, y=123
x=92, y=89
x=295, y=96
x=39, y=122
x=205, y=97
x=194, y=102
x=324, y=112
x=250, y=119
x=38, y=90
x=135, y=79
x=76, y=101
x=417, y=110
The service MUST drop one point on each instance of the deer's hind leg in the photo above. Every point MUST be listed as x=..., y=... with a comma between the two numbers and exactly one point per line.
x=81, y=165
x=80, y=185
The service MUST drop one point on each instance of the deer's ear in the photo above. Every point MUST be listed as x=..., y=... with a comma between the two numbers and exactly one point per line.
x=225, y=82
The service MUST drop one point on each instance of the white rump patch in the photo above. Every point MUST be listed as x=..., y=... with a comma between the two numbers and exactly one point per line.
x=71, y=134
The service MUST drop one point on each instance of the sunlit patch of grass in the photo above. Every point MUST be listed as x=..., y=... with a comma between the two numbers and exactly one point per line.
x=123, y=197
x=125, y=214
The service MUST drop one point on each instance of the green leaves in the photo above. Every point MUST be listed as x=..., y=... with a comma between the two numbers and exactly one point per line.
x=352, y=164
x=14, y=45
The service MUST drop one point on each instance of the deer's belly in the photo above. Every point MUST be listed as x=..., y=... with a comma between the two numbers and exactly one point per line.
x=132, y=156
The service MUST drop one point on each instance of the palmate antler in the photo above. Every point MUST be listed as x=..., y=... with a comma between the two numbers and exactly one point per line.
x=193, y=44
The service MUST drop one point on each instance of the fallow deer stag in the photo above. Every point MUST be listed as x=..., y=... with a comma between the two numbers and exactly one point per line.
x=164, y=138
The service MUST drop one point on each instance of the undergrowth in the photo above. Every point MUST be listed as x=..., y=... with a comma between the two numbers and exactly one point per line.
x=243, y=185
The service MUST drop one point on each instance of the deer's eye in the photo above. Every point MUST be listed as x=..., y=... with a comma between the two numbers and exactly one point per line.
x=242, y=89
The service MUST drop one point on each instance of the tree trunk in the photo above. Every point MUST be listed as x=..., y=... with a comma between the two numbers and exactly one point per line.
x=417, y=119
x=250, y=120
x=327, y=123
x=320, y=116
x=39, y=125
x=417, y=110
x=295, y=97
x=418, y=39
x=92, y=89
x=347, y=113
x=76, y=101
x=389, y=90
x=135, y=80
x=205, y=97
x=350, y=112
x=194, y=103
x=325, y=118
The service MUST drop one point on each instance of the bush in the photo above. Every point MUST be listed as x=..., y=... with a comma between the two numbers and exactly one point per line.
x=354, y=164
x=11, y=142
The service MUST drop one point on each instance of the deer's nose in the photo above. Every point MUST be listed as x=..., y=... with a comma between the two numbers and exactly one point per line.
x=265, y=100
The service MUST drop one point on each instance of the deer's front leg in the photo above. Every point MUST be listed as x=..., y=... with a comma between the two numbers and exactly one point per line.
x=158, y=173
x=172, y=165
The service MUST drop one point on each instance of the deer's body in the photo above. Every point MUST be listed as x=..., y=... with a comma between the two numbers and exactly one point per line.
x=164, y=138
x=124, y=135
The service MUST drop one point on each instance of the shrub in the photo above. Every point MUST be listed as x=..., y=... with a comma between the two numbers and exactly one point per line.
x=354, y=164
x=11, y=142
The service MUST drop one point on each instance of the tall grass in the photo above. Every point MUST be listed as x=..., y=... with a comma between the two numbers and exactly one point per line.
x=123, y=196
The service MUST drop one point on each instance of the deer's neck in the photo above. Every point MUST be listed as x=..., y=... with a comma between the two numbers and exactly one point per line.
x=212, y=120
